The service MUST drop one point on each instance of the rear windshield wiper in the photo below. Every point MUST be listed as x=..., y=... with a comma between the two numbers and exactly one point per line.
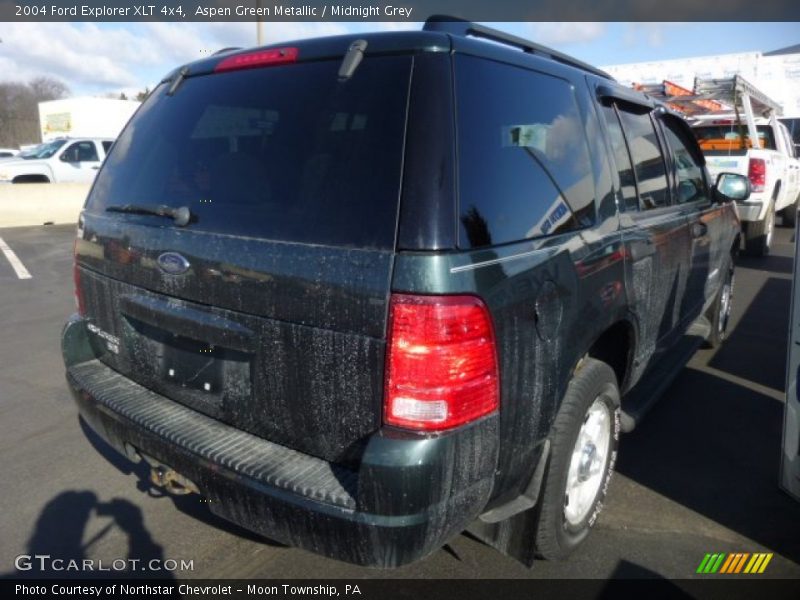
x=181, y=215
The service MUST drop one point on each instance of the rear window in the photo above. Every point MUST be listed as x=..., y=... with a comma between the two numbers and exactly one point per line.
x=731, y=139
x=285, y=153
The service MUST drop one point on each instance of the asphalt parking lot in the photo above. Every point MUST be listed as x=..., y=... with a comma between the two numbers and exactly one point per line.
x=699, y=475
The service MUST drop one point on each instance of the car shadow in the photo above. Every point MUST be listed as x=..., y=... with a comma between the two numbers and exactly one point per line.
x=756, y=349
x=190, y=504
x=713, y=446
x=771, y=263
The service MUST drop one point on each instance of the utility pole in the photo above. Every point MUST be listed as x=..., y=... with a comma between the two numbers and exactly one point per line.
x=259, y=24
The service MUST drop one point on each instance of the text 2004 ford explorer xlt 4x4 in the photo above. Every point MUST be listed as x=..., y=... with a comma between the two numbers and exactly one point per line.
x=363, y=294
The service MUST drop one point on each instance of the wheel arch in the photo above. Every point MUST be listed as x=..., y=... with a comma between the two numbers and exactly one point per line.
x=615, y=346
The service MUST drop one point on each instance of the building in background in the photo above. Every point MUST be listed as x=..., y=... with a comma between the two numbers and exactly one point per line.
x=84, y=117
x=776, y=73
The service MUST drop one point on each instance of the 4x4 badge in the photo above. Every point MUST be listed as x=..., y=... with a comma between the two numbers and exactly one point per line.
x=173, y=263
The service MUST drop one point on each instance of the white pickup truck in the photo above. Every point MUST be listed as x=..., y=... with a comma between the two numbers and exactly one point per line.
x=63, y=160
x=771, y=166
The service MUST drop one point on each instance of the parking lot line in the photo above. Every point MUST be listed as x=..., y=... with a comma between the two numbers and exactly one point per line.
x=16, y=263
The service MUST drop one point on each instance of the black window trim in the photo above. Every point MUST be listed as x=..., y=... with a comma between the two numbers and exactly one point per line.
x=671, y=205
x=622, y=207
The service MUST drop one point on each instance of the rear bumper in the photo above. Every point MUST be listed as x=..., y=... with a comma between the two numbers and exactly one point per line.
x=408, y=496
x=752, y=210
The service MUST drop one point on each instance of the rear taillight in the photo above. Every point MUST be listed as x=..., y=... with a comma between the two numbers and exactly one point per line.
x=76, y=278
x=261, y=58
x=441, y=367
x=757, y=173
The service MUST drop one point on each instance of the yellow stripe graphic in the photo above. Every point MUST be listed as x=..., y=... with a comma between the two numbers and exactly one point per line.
x=754, y=562
x=727, y=564
x=765, y=563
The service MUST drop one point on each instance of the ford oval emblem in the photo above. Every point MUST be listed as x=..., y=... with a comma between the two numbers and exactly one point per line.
x=173, y=263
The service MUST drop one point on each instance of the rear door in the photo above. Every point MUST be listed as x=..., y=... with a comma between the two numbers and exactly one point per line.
x=709, y=230
x=655, y=232
x=790, y=455
x=78, y=162
x=268, y=309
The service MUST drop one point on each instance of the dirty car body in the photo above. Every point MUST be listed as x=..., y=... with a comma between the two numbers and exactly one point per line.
x=263, y=345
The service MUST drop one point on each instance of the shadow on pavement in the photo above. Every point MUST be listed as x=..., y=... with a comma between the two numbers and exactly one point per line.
x=714, y=447
x=59, y=532
x=756, y=348
x=189, y=504
x=770, y=264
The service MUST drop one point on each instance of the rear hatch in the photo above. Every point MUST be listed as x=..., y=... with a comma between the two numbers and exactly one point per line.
x=268, y=309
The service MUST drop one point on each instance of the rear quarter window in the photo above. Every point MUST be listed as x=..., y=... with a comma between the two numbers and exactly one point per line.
x=523, y=160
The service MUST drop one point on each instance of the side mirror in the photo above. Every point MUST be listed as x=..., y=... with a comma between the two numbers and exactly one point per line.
x=731, y=187
x=65, y=157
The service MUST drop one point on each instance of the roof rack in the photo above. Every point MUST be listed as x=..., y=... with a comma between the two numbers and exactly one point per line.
x=462, y=28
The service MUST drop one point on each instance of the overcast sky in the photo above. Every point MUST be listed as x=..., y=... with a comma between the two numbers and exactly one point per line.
x=102, y=58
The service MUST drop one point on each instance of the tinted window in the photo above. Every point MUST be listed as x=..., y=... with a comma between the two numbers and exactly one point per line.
x=107, y=146
x=651, y=175
x=524, y=168
x=689, y=179
x=623, y=160
x=80, y=152
x=286, y=152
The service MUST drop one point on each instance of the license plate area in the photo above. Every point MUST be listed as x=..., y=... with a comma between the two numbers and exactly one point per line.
x=209, y=378
x=194, y=365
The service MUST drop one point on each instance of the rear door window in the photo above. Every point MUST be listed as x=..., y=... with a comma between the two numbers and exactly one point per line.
x=523, y=159
x=648, y=162
x=622, y=158
x=286, y=153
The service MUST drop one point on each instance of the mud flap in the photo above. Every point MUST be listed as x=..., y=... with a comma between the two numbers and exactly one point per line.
x=511, y=528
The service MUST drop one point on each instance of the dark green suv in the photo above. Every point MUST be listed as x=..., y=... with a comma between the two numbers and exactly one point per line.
x=365, y=292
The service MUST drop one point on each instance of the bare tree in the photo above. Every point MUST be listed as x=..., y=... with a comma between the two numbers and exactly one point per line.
x=45, y=88
x=19, y=108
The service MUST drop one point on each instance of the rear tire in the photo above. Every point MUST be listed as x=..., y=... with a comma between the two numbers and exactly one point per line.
x=789, y=213
x=584, y=437
x=758, y=235
x=721, y=311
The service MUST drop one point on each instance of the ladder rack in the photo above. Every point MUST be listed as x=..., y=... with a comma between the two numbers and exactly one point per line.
x=714, y=96
x=733, y=91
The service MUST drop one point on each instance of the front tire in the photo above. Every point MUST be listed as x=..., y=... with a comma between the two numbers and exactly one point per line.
x=584, y=437
x=721, y=311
